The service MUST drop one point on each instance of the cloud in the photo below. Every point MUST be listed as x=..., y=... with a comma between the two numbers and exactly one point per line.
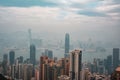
x=110, y=8
x=80, y=17
x=91, y=13
x=26, y=3
x=91, y=8
x=55, y=20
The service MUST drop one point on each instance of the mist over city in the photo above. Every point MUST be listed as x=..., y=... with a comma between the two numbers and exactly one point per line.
x=74, y=39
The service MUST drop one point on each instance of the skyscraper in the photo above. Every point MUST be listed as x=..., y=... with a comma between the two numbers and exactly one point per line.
x=101, y=67
x=67, y=43
x=5, y=57
x=109, y=64
x=21, y=59
x=43, y=59
x=4, y=64
x=11, y=57
x=75, y=64
x=27, y=71
x=32, y=54
x=115, y=58
x=48, y=53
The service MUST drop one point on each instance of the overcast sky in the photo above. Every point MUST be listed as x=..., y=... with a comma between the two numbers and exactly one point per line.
x=61, y=16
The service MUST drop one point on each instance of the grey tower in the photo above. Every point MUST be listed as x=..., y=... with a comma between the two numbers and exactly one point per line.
x=67, y=43
x=32, y=54
x=115, y=58
x=11, y=57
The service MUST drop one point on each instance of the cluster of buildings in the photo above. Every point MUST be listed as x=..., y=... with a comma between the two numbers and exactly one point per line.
x=50, y=68
x=107, y=65
x=102, y=69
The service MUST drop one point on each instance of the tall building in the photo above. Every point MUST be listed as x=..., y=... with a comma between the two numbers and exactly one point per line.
x=67, y=43
x=109, y=64
x=32, y=54
x=86, y=74
x=48, y=53
x=11, y=57
x=13, y=71
x=75, y=65
x=52, y=73
x=37, y=73
x=115, y=58
x=43, y=59
x=101, y=67
x=4, y=64
x=27, y=72
x=64, y=63
x=5, y=57
x=45, y=72
x=21, y=59
x=19, y=71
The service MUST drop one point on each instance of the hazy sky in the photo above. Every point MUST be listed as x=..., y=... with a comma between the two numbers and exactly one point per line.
x=83, y=19
x=60, y=16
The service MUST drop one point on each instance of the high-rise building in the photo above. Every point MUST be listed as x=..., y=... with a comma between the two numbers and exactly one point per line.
x=64, y=63
x=5, y=57
x=32, y=54
x=101, y=67
x=43, y=60
x=86, y=74
x=19, y=71
x=52, y=73
x=67, y=43
x=21, y=59
x=115, y=58
x=37, y=73
x=109, y=64
x=11, y=57
x=4, y=64
x=45, y=72
x=13, y=71
x=75, y=65
x=50, y=54
x=27, y=71
x=95, y=65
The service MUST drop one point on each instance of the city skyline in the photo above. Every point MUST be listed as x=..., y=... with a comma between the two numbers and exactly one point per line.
x=59, y=39
x=50, y=67
x=97, y=20
x=96, y=49
x=71, y=67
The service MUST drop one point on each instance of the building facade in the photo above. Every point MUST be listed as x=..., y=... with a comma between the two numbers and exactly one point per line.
x=115, y=58
x=67, y=43
x=12, y=57
x=75, y=64
x=32, y=54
